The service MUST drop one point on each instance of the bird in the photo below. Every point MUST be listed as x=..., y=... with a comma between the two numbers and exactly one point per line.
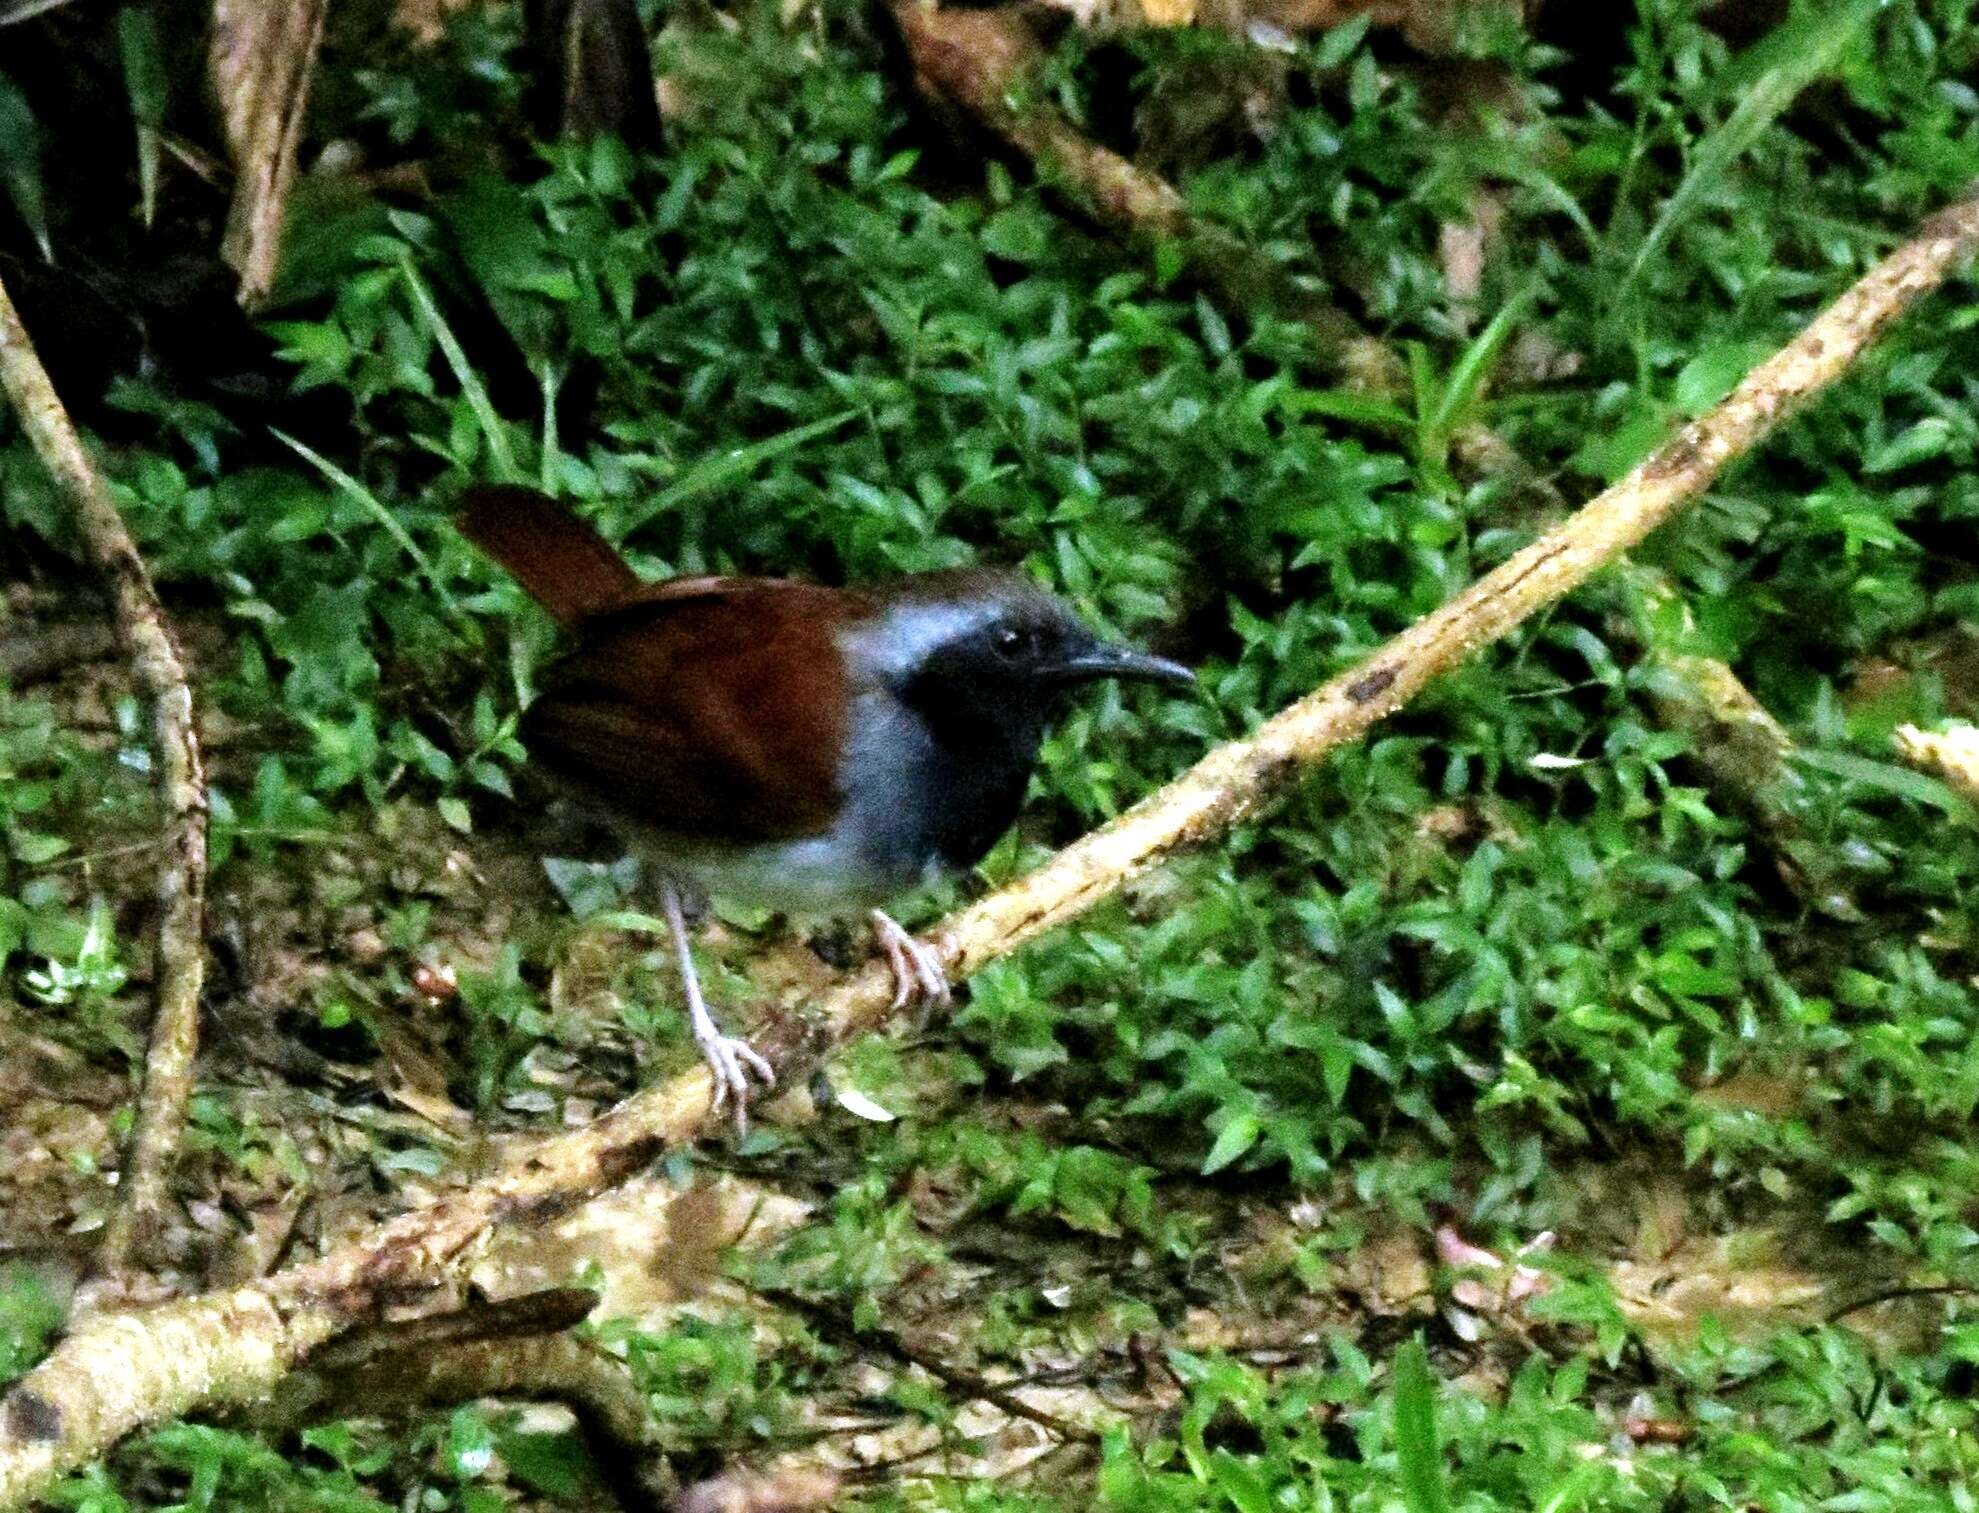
x=785, y=744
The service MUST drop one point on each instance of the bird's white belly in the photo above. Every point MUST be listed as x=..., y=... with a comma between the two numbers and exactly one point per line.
x=794, y=877
x=820, y=875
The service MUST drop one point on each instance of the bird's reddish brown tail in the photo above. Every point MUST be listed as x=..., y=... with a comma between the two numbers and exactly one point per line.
x=566, y=565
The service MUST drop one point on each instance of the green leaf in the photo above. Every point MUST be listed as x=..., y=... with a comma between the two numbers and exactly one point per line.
x=554, y=1464
x=1240, y=1482
x=372, y=504
x=1351, y=406
x=20, y=163
x=145, y=84
x=493, y=431
x=1425, y=1486
x=1885, y=776
x=1238, y=1135
x=13, y=927
x=1508, y=160
x=1460, y=390
x=1715, y=372
x=33, y=847
x=1337, y=44
x=1929, y=439
x=728, y=467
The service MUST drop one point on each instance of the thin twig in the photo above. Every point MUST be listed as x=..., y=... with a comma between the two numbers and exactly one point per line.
x=226, y=1347
x=160, y=672
x=830, y=1320
x=549, y=1311
x=1743, y=751
x=515, y=1348
x=1899, y=1294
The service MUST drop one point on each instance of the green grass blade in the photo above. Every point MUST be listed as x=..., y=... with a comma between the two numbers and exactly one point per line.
x=1791, y=57
x=1354, y=408
x=492, y=429
x=20, y=163
x=1467, y=377
x=724, y=468
x=549, y=382
x=143, y=51
x=1506, y=160
x=1886, y=777
x=1574, y=1488
x=631, y=921
x=372, y=503
x=1425, y=1487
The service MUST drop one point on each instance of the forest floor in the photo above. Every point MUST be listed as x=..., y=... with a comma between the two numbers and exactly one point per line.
x=1628, y=1070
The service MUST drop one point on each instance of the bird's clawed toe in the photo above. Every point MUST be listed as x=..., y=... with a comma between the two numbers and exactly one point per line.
x=917, y=969
x=733, y=1061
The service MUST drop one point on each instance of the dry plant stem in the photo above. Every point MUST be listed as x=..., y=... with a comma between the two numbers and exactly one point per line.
x=979, y=60
x=261, y=61
x=551, y=1310
x=116, y=1374
x=557, y=1367
x=160, y=673
x=1736, y=737
x=1741, y=748
x=600, y=71
x=519, y=1348
x=551, y=1365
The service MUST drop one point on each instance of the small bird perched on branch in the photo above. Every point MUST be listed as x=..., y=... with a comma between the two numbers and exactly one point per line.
x=788, y=745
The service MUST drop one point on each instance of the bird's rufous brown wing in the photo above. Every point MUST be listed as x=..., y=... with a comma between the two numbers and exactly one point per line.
x=707, y=707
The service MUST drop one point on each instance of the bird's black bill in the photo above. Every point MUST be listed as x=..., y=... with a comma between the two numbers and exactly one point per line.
x=1105, y=661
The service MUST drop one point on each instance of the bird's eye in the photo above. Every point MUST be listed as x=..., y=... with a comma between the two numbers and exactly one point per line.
x=1009, y=641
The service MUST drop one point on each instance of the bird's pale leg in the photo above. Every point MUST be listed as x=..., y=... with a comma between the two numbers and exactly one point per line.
x=917, y=970
x=727, y=1057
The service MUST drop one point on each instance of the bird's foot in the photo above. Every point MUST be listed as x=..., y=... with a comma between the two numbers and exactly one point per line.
x=732, y=1060
x=917, y=969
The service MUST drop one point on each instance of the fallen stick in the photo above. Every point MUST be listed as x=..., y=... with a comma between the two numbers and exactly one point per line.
x=117, y=1373
x=146, y=638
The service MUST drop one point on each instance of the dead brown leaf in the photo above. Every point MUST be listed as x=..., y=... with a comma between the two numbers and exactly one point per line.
x=261, y=60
